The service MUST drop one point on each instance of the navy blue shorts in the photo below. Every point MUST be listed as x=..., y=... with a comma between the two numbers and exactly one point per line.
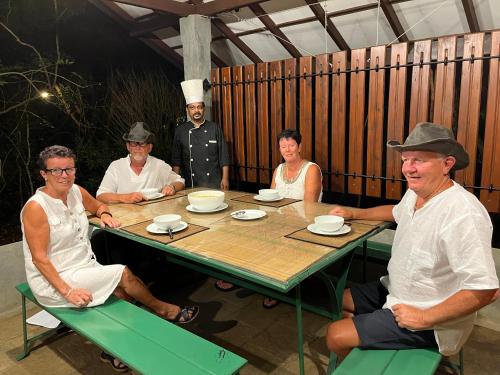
x=377, y=328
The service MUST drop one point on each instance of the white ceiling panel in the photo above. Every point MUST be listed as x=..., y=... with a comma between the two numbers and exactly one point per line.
x=360, y=29
x=337, y=5
x=301, y=11
x=229, y=53
x=134, y=11
x=488, y=14
x=266, y=46
x=430, y=18
x=169, y=36
x=309, y=38
x=238, y=25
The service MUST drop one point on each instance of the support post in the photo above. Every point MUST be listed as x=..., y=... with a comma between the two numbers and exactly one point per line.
x=196, y=36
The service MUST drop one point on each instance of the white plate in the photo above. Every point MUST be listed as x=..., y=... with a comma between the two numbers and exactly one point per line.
x=152, y=228
x=344, y=230
x=223, y=206
x=259, y=198
x=248, y=215
x=156, y=196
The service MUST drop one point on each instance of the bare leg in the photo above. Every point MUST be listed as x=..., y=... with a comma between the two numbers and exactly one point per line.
x=135, y=288
x=342, y=337
x=348, y=304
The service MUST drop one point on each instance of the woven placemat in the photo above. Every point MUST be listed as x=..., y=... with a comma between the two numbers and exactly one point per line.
x=357, y=230
x=249, y=199
x=140, y=230
x=179, y=194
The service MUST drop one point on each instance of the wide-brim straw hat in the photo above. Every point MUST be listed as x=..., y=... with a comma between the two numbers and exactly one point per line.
x=138, y=133
x=436, y=138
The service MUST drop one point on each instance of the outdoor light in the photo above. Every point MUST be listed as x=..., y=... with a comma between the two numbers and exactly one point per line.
x=44, y=95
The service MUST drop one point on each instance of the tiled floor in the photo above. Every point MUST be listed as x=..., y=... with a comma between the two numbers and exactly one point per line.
x=234, y=320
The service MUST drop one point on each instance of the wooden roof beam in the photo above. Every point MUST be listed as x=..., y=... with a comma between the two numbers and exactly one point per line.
x=154, y=23
x=393, y=19
x=219, y=6
x=224, y=29
x=330, y=27
x=271, y=26
x=470, y=13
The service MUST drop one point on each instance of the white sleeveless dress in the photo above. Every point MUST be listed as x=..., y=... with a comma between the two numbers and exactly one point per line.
x=70, y=252
x=296, y=189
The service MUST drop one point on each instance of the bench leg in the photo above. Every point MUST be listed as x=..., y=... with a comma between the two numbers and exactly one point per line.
x=26, y=352
x=461, y=361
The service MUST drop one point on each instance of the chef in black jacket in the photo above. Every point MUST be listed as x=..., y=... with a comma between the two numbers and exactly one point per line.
x=199, y=152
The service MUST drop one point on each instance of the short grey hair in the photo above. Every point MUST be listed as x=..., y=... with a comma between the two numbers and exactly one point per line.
x=54, y=151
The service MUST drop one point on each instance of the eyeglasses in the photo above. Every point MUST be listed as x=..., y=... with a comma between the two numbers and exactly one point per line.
x=59, y=171
x=137, y=144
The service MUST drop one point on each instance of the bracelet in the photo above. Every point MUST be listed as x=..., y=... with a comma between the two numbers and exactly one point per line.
x=69, y=292
x=105, y=212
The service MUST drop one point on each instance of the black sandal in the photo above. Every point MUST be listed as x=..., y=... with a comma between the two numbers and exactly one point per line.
x=115, y=363
x=187, y=314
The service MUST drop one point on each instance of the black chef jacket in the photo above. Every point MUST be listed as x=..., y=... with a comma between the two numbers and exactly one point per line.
x=200, y=153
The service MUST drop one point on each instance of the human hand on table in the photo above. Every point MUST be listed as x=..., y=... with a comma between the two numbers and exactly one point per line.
x=410, y=317
x=110, y=221
x=168, y=190
x=132, y=197
x=344, y=212
x=79, y=297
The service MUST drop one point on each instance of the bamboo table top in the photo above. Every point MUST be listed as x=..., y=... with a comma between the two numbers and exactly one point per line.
x=259, y=249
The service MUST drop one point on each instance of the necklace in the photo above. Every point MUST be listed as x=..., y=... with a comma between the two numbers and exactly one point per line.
x=285, y=174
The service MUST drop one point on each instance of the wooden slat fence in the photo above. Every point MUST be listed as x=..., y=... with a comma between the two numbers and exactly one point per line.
x=348, y=104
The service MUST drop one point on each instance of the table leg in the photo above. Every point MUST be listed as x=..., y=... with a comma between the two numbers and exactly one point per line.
x=25, y=331
x=365, y=258
x=298, y=308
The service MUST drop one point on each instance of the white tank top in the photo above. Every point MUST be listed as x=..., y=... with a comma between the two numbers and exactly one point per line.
x=295, y=189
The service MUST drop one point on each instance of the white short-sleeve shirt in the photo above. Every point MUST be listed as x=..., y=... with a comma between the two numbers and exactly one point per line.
x=120, y=178
x=438, y=250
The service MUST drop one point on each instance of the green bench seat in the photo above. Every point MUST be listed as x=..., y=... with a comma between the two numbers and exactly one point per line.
x=143, y=341
x=390, y=362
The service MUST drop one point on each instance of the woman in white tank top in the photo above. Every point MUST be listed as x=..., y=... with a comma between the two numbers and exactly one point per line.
x=296, y=178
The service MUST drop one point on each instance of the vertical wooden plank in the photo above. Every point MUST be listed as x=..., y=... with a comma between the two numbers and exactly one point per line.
x=216, y=96
x=339, y=98
x=251, y=123
x=321, y=113
x=356, y=121
x=290, y=88
x=396, y=118
x=445, y=82
x=263, y=121
x=470, y=104
x=375, y=145
x=420, y=83
x=305, y=87
x=490, y=175
x=275, y=73
x=227, y=112
x=239, y=122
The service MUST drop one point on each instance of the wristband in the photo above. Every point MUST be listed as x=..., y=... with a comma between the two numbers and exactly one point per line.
x=69, y=292
x=105, y=212
x=173, y=187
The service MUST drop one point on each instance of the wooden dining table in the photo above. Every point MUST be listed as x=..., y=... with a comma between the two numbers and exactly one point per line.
x=271, y=255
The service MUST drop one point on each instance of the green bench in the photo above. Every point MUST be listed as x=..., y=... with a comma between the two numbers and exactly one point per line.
x=143, y=341
x=393, y=362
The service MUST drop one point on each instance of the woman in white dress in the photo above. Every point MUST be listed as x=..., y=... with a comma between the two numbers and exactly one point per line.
x=61, y=269
x=296, y=178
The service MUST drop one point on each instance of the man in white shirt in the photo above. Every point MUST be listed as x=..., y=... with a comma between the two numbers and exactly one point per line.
x=126, y=177
x=441, y=269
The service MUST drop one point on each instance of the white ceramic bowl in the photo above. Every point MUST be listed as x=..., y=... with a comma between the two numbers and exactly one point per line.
x=206, y=200
x=149, y=192
x=167, y=221
x=269, y=194
x=329, y=223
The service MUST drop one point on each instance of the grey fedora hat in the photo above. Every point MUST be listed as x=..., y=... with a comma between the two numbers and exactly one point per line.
x=138, y=133
x=436, y=138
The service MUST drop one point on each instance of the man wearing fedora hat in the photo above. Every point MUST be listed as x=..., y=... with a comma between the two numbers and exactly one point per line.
x=441, y=269
x=126, y=177
x=199, y=151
